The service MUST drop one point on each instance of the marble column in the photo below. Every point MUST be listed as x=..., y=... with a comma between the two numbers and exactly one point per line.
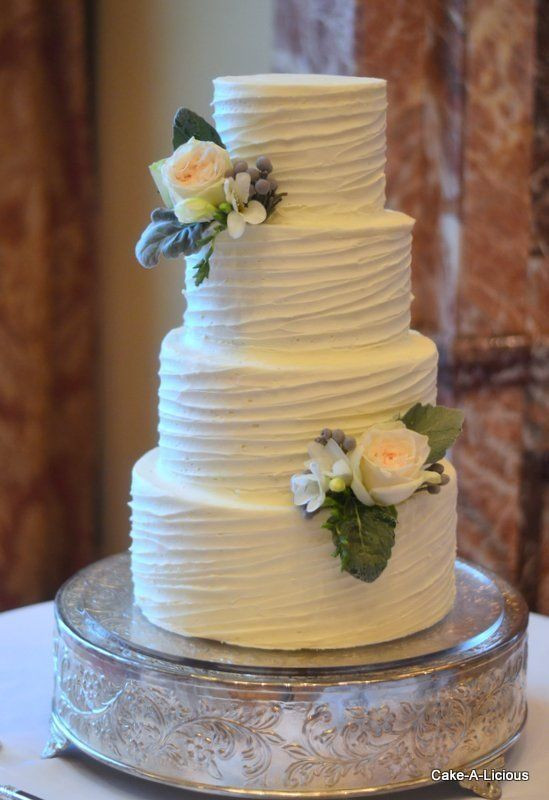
x=467, y=136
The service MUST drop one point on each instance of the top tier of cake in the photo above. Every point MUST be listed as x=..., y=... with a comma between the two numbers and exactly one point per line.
x=324, y=134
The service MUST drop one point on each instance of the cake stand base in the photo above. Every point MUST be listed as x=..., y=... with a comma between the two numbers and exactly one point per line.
x=250, y=723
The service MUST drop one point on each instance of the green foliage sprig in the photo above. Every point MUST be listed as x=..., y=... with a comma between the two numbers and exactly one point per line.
x=202, y=269
x=441, y=425
x=166, y=235
x=363, y=535
x=187, y=124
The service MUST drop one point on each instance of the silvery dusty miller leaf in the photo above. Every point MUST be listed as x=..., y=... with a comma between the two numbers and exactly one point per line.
x=187, y=124
x=165, y=235
x=440, y=424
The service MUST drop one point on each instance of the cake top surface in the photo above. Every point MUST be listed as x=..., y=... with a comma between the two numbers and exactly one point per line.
x=296, y=83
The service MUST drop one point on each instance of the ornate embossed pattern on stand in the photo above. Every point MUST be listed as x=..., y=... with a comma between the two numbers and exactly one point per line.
x=277, y=733
x=257, y=737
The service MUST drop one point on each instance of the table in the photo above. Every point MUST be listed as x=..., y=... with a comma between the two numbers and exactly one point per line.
x=25, y=690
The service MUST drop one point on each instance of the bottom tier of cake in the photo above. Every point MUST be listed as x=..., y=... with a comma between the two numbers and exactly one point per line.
x=215, y=565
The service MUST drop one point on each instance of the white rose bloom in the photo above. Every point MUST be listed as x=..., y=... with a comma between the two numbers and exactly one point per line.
x=388, y=462
x=195, y=169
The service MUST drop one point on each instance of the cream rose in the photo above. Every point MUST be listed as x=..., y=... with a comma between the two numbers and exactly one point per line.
x=388, y=463
x=196, y=169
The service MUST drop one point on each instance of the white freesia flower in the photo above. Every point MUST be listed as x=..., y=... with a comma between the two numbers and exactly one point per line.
x=310, y=487
x=327, y=462
x=194, y=209
x=237, y=193
x=388, y=462
x=195, y=169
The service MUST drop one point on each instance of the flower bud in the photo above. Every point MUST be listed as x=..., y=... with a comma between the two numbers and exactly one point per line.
x=337, y=485
x=431, y=478
x=194, y=209
x=225, y=207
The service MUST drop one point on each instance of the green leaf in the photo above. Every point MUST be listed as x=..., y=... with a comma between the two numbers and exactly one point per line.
x=202, y=269
x=363, y=535
x=440, y=424
x=187, y=124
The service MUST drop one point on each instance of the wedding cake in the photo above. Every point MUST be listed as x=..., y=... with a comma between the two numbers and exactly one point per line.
x=296, y=406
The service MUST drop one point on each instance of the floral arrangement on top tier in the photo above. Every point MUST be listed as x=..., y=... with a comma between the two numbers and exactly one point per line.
x=204, y=193
x=362, y=483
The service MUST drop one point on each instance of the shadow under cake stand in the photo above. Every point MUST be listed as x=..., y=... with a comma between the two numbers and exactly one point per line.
x=234, y=721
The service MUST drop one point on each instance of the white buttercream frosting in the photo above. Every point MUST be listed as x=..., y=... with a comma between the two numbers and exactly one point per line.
x=209, y=563
x=310, y=287
x=302, y=324
x=325, y=136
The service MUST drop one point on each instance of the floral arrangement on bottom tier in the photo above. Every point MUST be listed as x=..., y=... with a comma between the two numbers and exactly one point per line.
x=204, y=192
x=363, y=482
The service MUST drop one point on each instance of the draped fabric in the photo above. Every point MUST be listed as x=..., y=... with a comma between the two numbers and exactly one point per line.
x=468, y=136
x=47, y=286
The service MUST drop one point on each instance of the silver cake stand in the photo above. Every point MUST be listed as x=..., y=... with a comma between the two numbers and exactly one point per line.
x=251, y=723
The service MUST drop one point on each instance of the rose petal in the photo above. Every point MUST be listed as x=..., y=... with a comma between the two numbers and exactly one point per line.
x=194, y=209
x=255, y=212
x=360, y=492
x=156, y=172
x=392, y=495
x=372, y=474
x=236, y=225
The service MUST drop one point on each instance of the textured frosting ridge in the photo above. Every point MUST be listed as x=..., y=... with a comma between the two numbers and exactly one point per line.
x=325, y=135
x=310, y=287
x=276, y=584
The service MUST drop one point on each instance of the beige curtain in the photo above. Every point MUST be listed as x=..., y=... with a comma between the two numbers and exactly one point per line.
x=468, y=136
x=47, y=290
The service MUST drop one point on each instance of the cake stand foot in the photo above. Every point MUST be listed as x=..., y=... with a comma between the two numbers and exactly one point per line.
x=484, y=787
x=57, y=743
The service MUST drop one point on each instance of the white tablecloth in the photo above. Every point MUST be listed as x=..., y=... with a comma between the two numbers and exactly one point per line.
x=25, y=691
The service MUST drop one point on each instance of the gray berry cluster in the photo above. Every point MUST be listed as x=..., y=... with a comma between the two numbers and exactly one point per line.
x=347, y=443
x=434, y=488
x=263, y=186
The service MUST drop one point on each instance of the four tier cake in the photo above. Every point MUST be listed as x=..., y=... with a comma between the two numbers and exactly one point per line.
x=296, y=338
